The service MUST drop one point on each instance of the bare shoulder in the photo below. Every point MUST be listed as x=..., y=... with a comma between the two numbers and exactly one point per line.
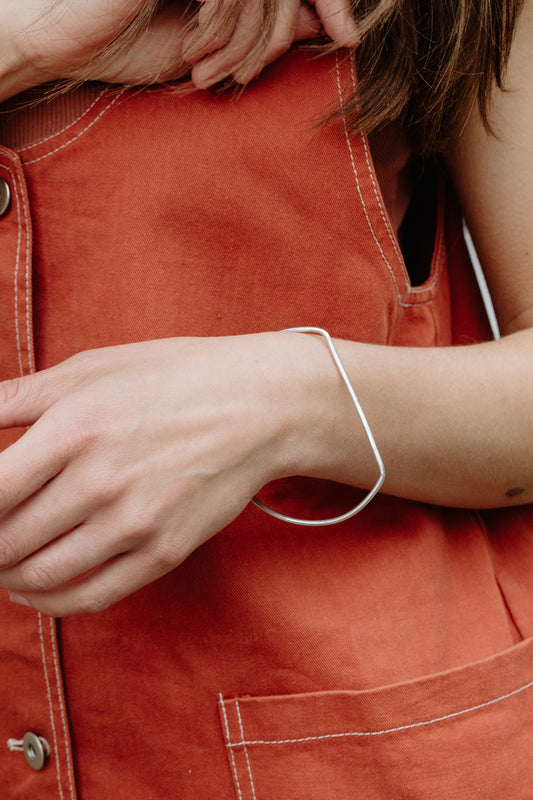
x=493, y=175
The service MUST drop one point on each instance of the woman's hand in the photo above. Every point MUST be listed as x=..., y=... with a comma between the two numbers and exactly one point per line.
x=48, y=41
x=137, y=454
x=217, y=50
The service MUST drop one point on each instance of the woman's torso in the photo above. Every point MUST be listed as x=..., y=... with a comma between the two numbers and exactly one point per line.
x=151, y=216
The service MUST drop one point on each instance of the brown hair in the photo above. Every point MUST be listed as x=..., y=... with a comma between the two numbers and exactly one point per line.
x=424, y=63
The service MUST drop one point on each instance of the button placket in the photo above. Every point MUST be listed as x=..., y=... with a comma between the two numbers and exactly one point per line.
x=52, y=764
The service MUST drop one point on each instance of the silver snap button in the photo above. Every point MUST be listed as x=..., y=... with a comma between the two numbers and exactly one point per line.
x=35, y=749
x=5, y=196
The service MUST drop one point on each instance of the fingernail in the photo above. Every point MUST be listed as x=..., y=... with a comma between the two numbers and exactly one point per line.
x=17, y=598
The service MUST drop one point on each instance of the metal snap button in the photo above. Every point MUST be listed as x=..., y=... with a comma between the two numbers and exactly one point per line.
x=5, y=196
x=35, y=749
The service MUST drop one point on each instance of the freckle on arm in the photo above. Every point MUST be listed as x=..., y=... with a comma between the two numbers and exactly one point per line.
x=515, y=491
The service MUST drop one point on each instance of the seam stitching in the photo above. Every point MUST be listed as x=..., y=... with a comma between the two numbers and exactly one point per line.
x=40, y=142
x=245, y=749
x=17, y=263
x=377, y=194
x=27, y=278
x=408, y=288
x=229, y=746
x=62, y=709
x=80, y=134
x=414, y=290
x=358, y=185
x=50, y=707
x=398, y=729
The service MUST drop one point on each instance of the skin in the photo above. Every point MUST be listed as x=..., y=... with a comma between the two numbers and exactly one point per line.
x=110, y=481
x=45, y=40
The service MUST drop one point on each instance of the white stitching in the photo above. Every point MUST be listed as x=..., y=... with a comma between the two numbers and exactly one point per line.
x=39, y=142
x=18, y=187
x=245, y=749
x=358, y=185
x=388, y=730
x=27, y=276
x=17, y=262
x=78, y=135
x=386, y=221
x=408, y=288
x=379, y=201
x=229, y=745
x=50, y=706
x=15, y=744
x=62, y=708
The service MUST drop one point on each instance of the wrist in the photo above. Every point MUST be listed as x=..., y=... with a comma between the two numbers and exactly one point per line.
x=16, y=74
x=330, y=436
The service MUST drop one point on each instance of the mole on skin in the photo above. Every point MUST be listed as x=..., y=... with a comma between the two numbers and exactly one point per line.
x=517, y=490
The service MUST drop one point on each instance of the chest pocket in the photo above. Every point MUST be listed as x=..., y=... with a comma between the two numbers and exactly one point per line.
x=458, y=735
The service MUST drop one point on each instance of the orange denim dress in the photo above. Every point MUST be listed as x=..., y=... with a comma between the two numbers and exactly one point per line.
x=386, y=657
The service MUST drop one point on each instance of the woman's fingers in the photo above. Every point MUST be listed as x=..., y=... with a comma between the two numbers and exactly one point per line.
x=149, y=451
x=281, y=39
x=308, y=25
x=23, y=400
x=337, y=18
x=220, y=64
x=294, y=21
x=95, y=591
x=28, y=464
x=78, y=552
x=215, y=24
x=56, y=508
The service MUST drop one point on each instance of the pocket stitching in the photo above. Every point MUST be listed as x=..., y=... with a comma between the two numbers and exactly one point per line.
x=228, y=740
x=244, y=743
x=245, y=749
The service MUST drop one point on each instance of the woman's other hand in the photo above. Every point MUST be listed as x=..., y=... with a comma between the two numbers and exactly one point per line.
x=135, y=456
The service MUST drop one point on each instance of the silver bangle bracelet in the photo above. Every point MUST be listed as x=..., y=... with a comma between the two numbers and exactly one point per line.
x=377, y=486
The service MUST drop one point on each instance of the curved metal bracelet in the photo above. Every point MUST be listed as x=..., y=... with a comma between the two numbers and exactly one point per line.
x=377, y=486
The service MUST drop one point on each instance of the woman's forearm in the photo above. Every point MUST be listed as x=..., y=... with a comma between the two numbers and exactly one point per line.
x=454, y=425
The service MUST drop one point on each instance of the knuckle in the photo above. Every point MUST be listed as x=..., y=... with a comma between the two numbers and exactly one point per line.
x=11, y=390
x=139, y=530
x=93, y=603
x=39, y=577
x=165, y=560
x=83, y=358
x=169, y=554
x=9, y=551
x=107, y=487
x=8, y=497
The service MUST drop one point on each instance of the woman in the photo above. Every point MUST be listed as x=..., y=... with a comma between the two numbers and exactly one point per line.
x=387, y=656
